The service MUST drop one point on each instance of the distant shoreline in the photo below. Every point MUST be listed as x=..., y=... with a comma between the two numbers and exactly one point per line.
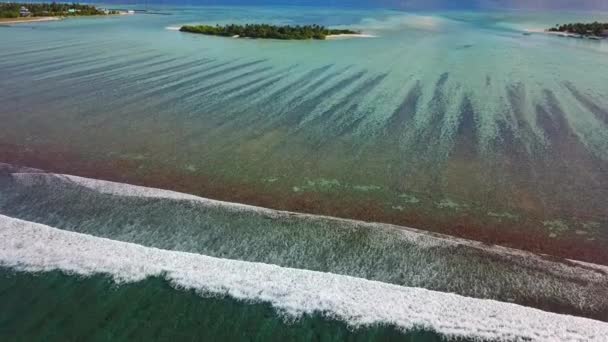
x=563, y=34
x=12, y=21
x=28, y=20
x=591, y=31
x=339, y=36
x=268, y=31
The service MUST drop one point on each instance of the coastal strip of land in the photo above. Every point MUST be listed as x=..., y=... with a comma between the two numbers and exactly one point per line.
x=591, y=30
x=17, y=13
x=266, y=31
x=594, y=31
x=8, y=21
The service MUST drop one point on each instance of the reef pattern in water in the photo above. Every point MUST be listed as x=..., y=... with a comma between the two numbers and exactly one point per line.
x=450, y=122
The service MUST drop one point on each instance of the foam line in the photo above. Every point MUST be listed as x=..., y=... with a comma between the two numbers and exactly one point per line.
x=33, y=247
x=422, y=239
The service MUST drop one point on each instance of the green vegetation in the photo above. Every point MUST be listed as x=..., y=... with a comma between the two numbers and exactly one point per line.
x=14, y=10
x=594, y=29
x=266, y=31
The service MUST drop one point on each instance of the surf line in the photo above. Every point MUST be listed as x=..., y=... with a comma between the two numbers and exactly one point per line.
x=33, y=247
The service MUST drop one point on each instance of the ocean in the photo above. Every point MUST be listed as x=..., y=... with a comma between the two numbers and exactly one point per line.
x=304, y=160
x=40, y=307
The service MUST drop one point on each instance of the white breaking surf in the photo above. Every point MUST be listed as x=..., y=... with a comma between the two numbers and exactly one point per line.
x=34, y=177
x=33, y=247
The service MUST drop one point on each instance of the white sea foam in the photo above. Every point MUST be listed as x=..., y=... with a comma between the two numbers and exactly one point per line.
x=33, y=247
x=422, y=239
x=118, y=189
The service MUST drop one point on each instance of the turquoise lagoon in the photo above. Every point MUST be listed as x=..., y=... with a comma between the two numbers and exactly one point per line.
x=450, y=122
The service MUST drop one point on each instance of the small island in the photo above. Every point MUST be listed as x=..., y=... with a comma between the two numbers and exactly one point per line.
x=265, y=31
x=13, y=12
x=593, y=30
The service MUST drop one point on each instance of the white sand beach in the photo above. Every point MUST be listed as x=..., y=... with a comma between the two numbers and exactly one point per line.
x=28, y=20
x=348, y=36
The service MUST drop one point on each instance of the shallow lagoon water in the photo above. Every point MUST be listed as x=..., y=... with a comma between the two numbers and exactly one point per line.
x=451, y=122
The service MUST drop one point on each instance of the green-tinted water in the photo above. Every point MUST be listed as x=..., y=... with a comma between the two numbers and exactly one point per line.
x=57, y=307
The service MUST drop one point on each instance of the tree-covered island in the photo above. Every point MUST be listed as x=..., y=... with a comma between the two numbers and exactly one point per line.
x=595, y=29
x=28, y=10
x=265, y=31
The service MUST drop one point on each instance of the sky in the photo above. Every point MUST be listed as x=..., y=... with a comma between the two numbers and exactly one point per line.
x=547, y=4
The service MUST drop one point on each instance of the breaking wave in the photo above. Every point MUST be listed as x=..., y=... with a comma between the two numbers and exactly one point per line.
x=390, y=254
x=34, y=247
